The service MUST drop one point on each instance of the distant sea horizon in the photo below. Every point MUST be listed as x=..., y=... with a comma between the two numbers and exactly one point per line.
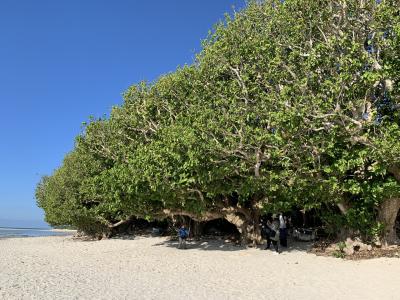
x=12, y=232
x=26, y=228
x=23, y=223
x=22, y=227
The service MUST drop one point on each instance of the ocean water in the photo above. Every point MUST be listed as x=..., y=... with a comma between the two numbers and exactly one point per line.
x=29, y=232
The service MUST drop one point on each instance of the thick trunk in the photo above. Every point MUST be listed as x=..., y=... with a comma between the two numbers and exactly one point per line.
x=197, y=229
x=245, y=220
x=206, y=216
x=344, y=232
x=121, y=227
x=256, y=234
x=241, y=224
x=248, y=227
x=387, y=215
x=122, y=222
x=343, y=207
x=395, y=171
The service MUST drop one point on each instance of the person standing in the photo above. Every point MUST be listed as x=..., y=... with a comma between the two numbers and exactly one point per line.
x=282, y=230
x=273, y=235
x=183, y=235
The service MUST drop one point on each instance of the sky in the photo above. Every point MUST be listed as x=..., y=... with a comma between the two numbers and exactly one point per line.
x=63, y=61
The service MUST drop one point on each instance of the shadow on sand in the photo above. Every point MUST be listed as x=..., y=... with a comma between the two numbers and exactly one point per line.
x=221, y=245
x=207, y=243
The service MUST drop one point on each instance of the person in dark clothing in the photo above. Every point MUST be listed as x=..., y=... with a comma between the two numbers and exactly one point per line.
x=283, y=230
x=272, y=235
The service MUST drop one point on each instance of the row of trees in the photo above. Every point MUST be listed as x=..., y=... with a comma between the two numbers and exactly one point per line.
x=290, y=104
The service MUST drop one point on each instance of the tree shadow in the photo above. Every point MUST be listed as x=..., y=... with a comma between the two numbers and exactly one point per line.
x=296, y=245
x=202, y=244
x=222, y=245
x=129, y=237
x=207, y=243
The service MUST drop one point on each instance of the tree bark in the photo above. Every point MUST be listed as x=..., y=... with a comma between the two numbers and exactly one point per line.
x=387, y=214
x=197, y=229
x=241, y=224
x=122, y=222
x=343, y=207
x=256, y=236
x=123, y=226
x=395, y=171
x=245, y=220
x=344, y=232
x=206, y=216
x=248, y=226
x=388, y=211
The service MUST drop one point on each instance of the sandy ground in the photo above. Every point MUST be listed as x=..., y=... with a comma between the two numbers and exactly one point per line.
x=152, y=268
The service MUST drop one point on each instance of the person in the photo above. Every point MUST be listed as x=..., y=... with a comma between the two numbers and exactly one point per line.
x=273, y=234
x=183, y=235
x=282, y=230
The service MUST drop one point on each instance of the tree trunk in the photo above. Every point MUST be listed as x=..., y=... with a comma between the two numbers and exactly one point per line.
x=246, y=221
x=112, y=229
x=197, y=229
x=241, y=224
x=248, y=227
x=256, y=236
x=387, y=215
x=343, y=207
x=344, y=232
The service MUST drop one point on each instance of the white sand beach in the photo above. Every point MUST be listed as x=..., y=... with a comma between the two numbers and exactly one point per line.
x=152, y=268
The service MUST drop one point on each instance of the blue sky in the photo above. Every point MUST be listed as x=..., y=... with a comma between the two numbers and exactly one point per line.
x=62, y=61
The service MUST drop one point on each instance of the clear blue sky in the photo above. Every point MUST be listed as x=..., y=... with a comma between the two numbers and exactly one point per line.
x=62, y=61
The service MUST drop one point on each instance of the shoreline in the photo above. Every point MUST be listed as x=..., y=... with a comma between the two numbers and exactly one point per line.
x=63, y=230
x=37, y=229
x=25, y=228
x=7, y=233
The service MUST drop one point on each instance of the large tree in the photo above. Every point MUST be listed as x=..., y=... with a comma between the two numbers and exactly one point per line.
x=289, y=104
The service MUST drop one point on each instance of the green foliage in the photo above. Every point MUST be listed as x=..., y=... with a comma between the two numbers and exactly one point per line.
x=289, y=104
x=340, y=252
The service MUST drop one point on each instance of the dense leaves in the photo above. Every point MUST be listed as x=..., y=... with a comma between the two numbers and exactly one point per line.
x=289, y=104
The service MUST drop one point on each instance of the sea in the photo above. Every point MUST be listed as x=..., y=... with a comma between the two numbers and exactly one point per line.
x=8, y=232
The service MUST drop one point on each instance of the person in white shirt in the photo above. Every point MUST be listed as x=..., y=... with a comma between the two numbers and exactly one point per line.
x=282, y=230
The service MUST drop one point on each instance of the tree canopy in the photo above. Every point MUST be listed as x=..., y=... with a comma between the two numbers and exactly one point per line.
x=289, y=104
